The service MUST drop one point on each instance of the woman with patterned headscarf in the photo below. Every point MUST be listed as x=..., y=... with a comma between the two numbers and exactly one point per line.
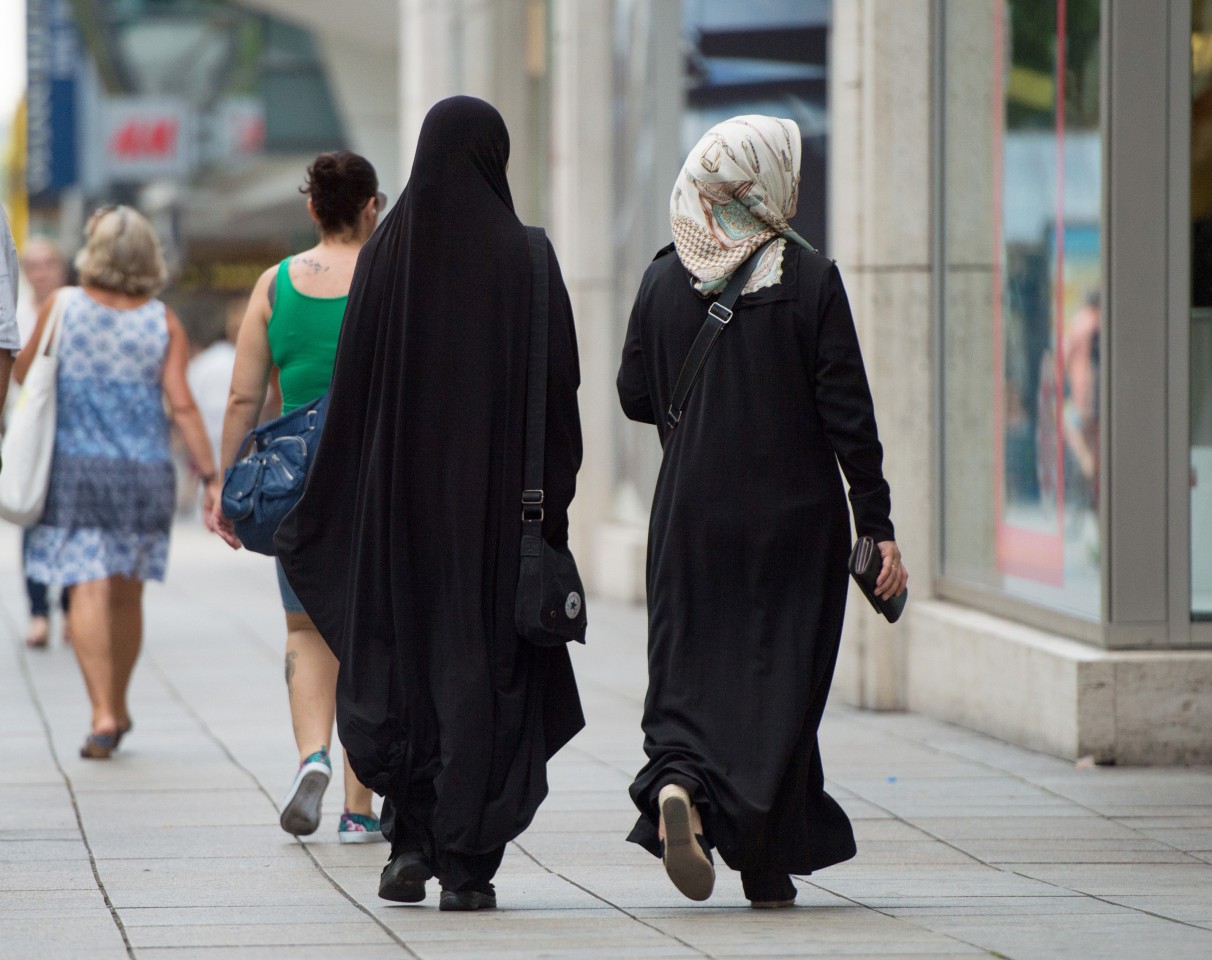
x=749, y=535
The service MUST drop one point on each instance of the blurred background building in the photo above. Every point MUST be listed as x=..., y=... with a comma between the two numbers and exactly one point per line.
x=1019, y=193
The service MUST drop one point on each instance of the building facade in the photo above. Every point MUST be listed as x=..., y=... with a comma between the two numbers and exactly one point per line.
x=1019, y=195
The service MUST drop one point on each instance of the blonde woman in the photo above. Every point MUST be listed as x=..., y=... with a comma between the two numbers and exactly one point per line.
x=105, y=528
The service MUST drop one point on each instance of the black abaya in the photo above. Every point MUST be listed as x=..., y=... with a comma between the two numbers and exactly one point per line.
x=747, y=551
x=404, y=547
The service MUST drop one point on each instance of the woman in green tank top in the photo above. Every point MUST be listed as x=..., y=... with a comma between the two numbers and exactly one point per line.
x=290, y=331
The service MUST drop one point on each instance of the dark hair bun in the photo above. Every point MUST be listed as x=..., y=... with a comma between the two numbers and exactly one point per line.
x=339, y=184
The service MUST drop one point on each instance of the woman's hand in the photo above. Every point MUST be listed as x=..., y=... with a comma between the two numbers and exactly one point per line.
x=893, y=576
x=216, y=522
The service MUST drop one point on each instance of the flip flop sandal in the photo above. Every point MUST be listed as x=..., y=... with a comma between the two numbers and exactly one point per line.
x=686, y=854
x=122, y=732
x=99, y=746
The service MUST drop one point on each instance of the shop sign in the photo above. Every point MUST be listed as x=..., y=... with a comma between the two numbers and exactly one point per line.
x=146, y=138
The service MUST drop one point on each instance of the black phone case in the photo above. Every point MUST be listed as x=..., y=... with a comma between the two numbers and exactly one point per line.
x=865, y=564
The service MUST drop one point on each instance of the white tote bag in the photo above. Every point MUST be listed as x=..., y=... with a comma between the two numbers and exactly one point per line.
x=30, y=441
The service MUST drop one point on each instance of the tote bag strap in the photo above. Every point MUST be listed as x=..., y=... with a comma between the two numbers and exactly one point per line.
x=48, y=343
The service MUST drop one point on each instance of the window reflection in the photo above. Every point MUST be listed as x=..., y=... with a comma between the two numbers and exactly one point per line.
x=1201, y=308
x=1029, y=215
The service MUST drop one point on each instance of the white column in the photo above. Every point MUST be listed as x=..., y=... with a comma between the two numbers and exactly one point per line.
x=879, y=221
x=428, y=65
x=581, y=226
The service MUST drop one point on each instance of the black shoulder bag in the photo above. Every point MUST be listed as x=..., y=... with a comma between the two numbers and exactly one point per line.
x=550, y=607
x=718, y=316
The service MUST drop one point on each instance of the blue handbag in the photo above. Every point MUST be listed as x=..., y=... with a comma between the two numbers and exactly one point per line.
x=259, y=490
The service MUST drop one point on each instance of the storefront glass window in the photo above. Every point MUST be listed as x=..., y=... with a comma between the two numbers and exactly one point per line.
x=1022, y=281
x=1201, y=309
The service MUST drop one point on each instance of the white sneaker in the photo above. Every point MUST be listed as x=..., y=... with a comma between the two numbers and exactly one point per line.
x=301, y=808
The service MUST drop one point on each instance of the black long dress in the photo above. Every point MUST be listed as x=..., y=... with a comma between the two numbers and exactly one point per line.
x=747, y=551
x=404, y=547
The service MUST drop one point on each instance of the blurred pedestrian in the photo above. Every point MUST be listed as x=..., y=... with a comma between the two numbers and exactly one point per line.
x=405, y=545
x=110, y=504
x=292, y=324
x=749, y=536
x=210, y=375
x=45, y=268
x=10, y=341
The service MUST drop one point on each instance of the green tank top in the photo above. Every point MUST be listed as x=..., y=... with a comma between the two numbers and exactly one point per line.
x=303, y=334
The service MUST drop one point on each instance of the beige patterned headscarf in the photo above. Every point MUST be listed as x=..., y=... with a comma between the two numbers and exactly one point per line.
x=736, y=190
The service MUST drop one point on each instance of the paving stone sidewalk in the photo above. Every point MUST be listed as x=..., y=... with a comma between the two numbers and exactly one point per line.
x=172, y=851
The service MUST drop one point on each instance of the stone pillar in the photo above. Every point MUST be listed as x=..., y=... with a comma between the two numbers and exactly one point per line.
x=495, y=51
x=366, y=88
x=879, y=221
x=581, y=226
x=428, y=66
x=649, y=154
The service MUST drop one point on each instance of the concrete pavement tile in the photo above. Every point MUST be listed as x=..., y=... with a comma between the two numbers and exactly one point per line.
x=511, y=926
x=1194, y=907
x=1111, y=879
x=912, y=808
x=1197, y=828
x=361, y=951
x=1063, y=905
x=47, y=875
x=961, y=950
x=618, y=821
x=177, y=808
x=563, y=948
x=54, y=903
x=947, y=790
x=1133, y=811
x=50, y=805
x=613, y=802
x=923, y=883
x=331, y=853
x=1108, y=850
x=556, y=849
x=425, y=922
x=910, y=852
x=214, y=882
x=863, y=810
x=50, y=938
x=69, y=848
x=339, y=910
x=110, y=843
x=848, y=770
x=1076, y=827
x=163, y=766
x=254, y=935
x=827, y=933
x=875, y=831
x=1118, y=937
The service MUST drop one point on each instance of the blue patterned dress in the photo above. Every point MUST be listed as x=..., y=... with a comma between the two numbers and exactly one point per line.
x=111, y=497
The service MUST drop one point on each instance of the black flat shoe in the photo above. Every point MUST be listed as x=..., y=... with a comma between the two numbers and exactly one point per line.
x=403, y=879
x=687, y=855
x=767, y=891
x=485, y=899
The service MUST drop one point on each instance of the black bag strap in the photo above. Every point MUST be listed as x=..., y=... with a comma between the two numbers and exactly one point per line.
x=536, y=387
x=718, y=315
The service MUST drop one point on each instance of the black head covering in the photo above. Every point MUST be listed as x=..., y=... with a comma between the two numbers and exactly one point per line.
x=404, y=546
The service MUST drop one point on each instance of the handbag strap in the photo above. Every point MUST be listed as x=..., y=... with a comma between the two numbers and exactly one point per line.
x=718, y=316
x=536, y=390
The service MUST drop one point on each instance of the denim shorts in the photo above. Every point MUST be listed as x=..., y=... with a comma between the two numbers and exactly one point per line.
x=290, y=603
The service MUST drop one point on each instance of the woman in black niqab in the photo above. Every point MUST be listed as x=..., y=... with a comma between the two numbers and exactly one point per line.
x=404, y=547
